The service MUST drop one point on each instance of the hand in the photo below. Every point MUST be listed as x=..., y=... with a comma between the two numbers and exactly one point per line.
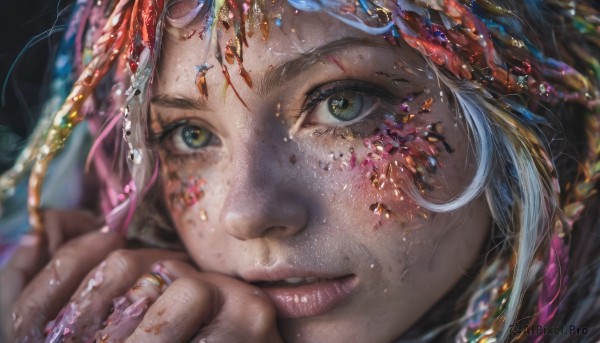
x=195, y=307
x=35, y=251
x=61, y=281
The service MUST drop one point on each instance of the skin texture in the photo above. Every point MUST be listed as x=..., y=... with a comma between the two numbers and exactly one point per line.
x=267, y=203
x=269, y=193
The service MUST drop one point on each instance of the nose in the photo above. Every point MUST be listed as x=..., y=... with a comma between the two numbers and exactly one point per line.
x=264, y=198
x=256, y=209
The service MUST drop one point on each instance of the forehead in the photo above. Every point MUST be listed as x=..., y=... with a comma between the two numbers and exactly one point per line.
x=291, y=34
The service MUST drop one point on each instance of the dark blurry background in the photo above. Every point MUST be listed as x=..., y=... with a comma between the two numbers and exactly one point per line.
x=20, y=22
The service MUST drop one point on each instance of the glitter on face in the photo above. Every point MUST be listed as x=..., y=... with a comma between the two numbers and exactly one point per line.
x=402, y=155
x=225, y=72
x=352, y=161
x=203, y=215
x=335, y=161
x=186, y=193
x=201, y=78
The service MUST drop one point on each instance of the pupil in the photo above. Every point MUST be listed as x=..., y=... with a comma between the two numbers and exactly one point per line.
x=340, y=103
x=346, y=106
x=195, y=137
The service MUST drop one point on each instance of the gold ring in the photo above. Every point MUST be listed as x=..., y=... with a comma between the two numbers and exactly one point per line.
x=155, y=279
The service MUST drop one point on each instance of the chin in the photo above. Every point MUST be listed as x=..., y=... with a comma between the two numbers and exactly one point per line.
x=338, y=329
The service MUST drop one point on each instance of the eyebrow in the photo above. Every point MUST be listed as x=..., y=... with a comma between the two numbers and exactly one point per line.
x=277, y=76
x=287, y=71
x=181, y=102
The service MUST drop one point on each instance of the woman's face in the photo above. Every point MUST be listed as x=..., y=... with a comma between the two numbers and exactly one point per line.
x=300, y=184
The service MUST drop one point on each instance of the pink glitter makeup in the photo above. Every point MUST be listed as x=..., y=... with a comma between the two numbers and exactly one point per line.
x=186, y=193
x=402, y=155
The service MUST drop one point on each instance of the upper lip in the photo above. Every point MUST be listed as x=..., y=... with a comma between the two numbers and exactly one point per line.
x=281, y=273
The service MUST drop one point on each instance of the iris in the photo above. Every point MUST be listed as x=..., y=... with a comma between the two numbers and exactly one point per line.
x=345, y=106
x=195, y=137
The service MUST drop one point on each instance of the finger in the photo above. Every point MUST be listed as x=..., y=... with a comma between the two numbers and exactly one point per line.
x=51, y=288
x=129, y=310
x=247, y=314
x=63, y=225
x=148, y=286
x=186, y=305
x=26, y=260
x=238, y=312
x=92, y=302
x=255, y=321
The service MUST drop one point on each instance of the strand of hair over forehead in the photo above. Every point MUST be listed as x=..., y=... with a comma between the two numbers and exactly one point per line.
x=331, y=7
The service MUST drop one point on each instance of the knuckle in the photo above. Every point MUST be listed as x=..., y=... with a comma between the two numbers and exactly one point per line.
x=121, y=261
x=189, y=290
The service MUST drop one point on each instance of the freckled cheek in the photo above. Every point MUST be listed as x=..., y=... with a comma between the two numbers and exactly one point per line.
x=186, y=193
x=183, y=191
x=193, y=202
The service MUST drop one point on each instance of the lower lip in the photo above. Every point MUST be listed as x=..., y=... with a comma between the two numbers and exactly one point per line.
x=312, y=299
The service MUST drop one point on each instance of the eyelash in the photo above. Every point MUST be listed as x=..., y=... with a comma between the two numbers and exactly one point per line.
x=382, y=98
x=317, y=95
x=157, y=140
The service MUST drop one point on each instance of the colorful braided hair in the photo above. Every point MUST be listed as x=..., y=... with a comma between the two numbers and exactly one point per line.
x=514, y=70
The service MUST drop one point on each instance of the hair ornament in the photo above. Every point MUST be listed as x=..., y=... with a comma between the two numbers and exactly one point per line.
x=482, y=318
x=70, y=114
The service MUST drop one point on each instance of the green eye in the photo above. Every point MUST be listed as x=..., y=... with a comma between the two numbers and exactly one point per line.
x=195, y=137
x=345, y=106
